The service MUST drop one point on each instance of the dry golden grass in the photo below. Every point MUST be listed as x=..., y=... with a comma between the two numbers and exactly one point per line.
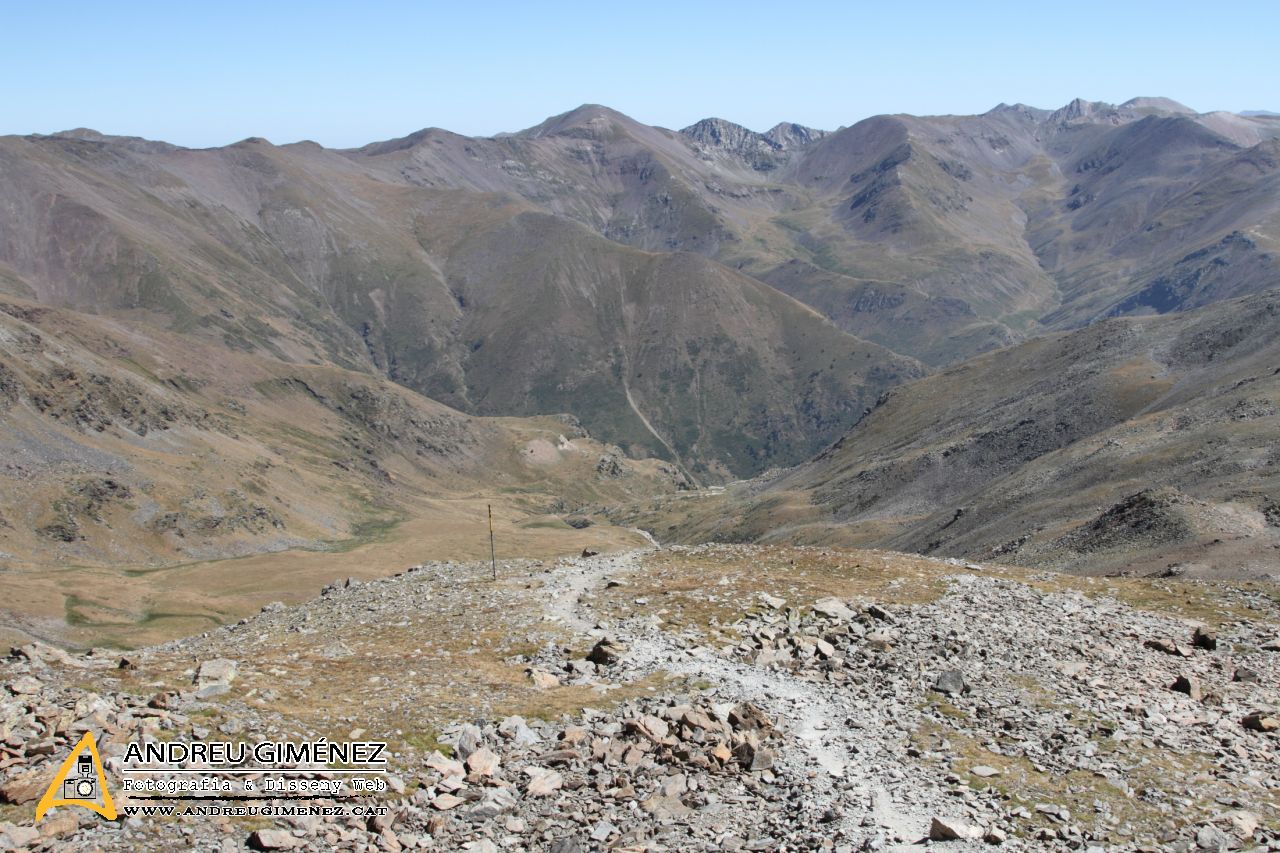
x=712, y=587
x=129, y=609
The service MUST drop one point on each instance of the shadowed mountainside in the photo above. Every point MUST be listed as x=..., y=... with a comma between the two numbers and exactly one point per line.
x=479, y=300
x=940, y=237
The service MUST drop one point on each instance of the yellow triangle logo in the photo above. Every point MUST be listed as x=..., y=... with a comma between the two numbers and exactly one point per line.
x=80, y=782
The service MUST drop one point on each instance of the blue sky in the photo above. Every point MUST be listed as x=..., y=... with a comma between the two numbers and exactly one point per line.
x=348, y=73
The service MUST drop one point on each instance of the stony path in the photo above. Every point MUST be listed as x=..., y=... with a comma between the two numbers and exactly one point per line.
x=818, y=716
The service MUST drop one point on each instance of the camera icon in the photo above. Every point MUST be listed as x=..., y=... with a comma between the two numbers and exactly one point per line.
x=84, y=784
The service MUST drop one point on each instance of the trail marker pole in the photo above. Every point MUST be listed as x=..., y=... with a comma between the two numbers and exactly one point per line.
x=493, y=555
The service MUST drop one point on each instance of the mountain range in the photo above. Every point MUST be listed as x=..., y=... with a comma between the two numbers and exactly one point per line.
x=207, y=353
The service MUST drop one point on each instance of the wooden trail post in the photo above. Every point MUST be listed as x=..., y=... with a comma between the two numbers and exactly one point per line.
x=493, y=555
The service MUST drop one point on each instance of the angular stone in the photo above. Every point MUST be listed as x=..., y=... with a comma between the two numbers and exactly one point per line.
x=14, y=837
x=607, y=652
x=273, y=839
x=211, y=691
x=746, y=716
x=541, y=679
x=446, y=767
x=947, y=829
x=665, y=808
x=444, y=802
x=469, y=740
x=496, y=801
x=698, y=720
x=649, y=726
x=482, y=762
x=1260, y=722
x=1243, y=823
x=875, y=611
x=951, y=683
x=1189, y=685
x=216, y=671
x=26, y=788
x=515, y=729
x=542, y=782
x=1205, y=638
x=24, y=685
x=833, y=608
x=1211, y=838
x=1168, y=646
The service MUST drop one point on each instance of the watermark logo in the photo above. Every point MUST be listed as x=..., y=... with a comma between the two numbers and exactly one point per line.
x=80, y=782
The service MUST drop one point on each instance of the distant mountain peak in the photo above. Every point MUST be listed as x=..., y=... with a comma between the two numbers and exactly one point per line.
x=586, y=120
x=87, y=133
x=1017, y=109
x=1079, y=109
x=721, y=133
x=1157, y=104
x=792, y=135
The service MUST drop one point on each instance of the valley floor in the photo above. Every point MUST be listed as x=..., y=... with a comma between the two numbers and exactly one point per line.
x=707, y=698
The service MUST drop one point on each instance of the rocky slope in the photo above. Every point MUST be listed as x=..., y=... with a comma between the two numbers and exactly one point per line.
x=717, y=698
x=1140, y=445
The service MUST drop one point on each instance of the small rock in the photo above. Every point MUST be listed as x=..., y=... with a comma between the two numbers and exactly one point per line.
x=1168, y=646
x=444, y=802
x=469, y=740
x=1260, y=722
x=875, y=611
x=946, y=829
x=1189, y=685
x=1244, y=824
x=14, y=837
x=24, y=685
x=1244, y=674
x=1205, y=638
x=951, y=683
x=1211, y=838
x=496, y=801
x=482, y=762
x=833, y=608
x=273, y=839
x=214, y=677
x=607, y=652
x=26, y=788
x=542, y=782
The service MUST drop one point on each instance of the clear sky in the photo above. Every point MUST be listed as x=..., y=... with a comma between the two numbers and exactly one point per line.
x=348, y=73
